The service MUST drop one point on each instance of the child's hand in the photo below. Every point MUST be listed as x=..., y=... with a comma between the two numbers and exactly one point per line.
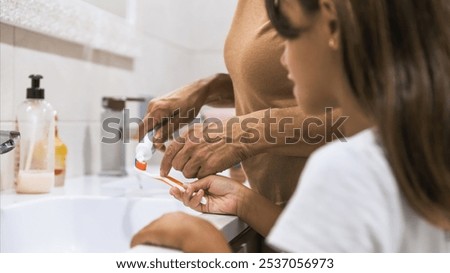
x=223, y=195
x=182, y=231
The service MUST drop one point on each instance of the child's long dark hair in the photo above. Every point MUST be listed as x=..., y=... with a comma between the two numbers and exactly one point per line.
x=397, y=59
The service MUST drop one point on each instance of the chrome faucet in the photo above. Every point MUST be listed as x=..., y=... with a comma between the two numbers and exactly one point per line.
x=113, y=154
x=8, y=140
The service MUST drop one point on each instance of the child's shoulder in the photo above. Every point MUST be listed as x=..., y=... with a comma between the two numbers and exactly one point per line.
x=361, y=146
x=359, y=159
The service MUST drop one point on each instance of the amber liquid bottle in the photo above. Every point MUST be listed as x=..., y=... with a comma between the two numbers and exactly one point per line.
x=60, y=158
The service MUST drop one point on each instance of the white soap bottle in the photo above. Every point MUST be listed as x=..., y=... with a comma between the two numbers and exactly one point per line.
x=36, y=124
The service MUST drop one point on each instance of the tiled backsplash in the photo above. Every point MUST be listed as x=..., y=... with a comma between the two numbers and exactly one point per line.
x=177, y=47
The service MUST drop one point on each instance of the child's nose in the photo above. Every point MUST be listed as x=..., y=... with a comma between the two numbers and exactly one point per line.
x=283, y=58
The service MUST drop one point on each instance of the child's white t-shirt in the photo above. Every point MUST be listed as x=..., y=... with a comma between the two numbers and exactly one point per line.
x=348, y=201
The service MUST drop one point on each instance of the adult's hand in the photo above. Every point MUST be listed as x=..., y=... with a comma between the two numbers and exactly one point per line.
x=179, y=230
x=182, y=105
x=207, y=149
x=172, y=111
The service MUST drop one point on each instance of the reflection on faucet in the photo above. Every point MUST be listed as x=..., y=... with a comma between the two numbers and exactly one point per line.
x=87, y=151
x=112, y=144
x=8, y=141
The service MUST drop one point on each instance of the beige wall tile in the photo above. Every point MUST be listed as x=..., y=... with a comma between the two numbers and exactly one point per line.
x=6, y=73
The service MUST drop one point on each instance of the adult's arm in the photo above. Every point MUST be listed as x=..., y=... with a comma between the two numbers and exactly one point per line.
x=217, y=145
x=183, y=104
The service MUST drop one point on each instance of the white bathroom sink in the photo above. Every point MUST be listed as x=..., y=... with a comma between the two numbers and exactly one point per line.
x=79, y=223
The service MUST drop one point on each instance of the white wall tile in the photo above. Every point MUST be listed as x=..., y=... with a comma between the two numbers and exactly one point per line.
x=73, y=134
x=209, y=23
x=63, y=88
x=194, y=24
x=207, y=63
x=161, y=68
x=74, y=84
x=181, y=40
x=84, y=141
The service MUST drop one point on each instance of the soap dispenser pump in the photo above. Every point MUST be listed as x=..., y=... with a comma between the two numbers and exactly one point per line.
x=36, y=124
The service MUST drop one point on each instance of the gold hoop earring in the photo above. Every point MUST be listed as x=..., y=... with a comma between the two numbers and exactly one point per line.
x=332, y=43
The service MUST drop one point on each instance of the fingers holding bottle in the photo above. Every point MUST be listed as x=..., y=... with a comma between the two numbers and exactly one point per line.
x=199, y=152
x=180, y=106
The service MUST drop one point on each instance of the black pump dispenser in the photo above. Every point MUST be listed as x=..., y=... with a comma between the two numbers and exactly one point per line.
x=34, y=92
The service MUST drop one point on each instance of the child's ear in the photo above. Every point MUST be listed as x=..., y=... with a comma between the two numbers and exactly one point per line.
x=328, y=9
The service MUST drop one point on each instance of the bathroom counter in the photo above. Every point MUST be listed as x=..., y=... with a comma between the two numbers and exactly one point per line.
x=131, y=186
